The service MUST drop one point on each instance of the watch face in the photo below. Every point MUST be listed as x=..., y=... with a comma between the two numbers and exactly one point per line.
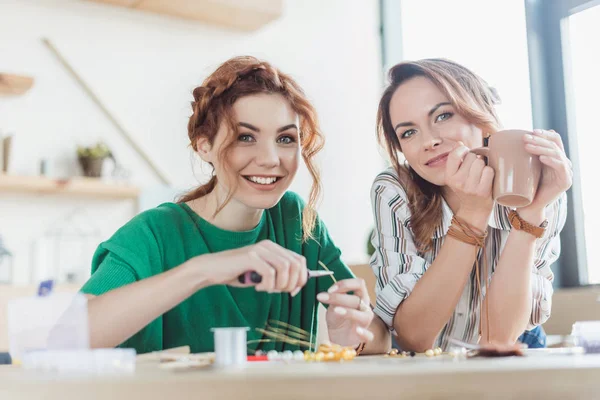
x=544, y=224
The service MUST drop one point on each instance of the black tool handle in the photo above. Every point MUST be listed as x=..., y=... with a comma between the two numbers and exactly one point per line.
x=250, y=277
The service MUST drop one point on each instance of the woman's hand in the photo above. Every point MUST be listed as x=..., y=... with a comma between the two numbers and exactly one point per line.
x=348, y=315
x=557, y=170
x=282, y=270
x=471, y=181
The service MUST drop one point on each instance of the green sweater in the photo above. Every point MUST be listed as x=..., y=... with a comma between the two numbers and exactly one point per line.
x=165, y=237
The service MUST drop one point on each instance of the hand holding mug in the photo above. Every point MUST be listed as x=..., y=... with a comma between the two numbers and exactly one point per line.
x=556, y=168
x=471, y=180
x=517, y=171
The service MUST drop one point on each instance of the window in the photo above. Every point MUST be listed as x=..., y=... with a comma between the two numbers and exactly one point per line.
x=488, y=37
x=584, y=59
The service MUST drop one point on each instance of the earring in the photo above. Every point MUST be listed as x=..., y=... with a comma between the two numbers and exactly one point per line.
x=406, y=164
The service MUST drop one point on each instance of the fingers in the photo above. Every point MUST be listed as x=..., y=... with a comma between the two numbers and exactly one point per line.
x=351, y=301
x=455, y=159
x=352, y=309
x=473, y=180
x=365, y=335
x=486, y=182
x=294, y=268
x=458, y=181
x=550, y=135
x=287, y=271
x=539, y=147
x=356, y=285
x=349, y=306
x=547, y=143
x=464, y=170
x=264, y=268
x=280, y=265
x=359, y=318
x=549, y=147
x=561, y=168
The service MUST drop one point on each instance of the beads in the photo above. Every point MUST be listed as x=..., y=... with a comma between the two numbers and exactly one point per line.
x=329, y=353
x=403, y=354
x=325, y=353
x=459, y=353
x=287, y=355
x=298, y=355
x=429, y=353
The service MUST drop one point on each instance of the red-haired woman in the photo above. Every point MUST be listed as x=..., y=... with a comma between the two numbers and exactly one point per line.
x=171, y=274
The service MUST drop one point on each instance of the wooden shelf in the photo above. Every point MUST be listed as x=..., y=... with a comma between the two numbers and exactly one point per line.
x=79, y=186
x=246, y=15
x=14, y=85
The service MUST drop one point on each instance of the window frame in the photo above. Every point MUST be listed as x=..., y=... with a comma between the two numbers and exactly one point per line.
x=552, y=103
x=552, y=100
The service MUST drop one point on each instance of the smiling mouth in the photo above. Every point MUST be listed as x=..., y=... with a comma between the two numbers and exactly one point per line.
x=437, y=160
x=263, y=180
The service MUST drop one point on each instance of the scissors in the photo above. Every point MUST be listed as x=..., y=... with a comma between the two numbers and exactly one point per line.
x=255, y=277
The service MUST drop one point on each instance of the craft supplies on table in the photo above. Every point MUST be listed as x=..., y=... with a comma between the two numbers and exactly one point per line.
x=50, y=332
x=230, y=346
x=587, y=335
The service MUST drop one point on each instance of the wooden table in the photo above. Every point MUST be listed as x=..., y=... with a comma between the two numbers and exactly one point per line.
x=544, y=377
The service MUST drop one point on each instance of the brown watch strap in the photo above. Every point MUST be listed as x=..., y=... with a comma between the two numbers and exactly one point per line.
x=520, y=224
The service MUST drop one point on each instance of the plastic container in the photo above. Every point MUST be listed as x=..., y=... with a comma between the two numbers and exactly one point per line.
x=58, y=321
x=50, y=332
x=230, y=346
x=87, y=362
x=587, y=335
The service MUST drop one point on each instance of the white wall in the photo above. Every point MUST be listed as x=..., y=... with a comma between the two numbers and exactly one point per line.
x=144, y=67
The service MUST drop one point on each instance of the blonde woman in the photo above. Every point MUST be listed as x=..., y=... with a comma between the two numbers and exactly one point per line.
x=436, y=194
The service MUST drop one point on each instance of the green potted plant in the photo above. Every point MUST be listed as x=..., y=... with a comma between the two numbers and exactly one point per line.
x=369, y=246
x=92, y=158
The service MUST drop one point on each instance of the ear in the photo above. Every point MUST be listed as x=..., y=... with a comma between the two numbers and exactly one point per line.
x=204, y=149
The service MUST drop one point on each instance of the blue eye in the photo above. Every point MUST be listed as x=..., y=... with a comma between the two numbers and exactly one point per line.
x=408, y=134
x=245, y=138
x=286, y=139
x=444, y=116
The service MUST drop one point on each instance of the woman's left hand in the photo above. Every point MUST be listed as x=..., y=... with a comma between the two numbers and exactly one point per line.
x=348, y=315
x=557, y=170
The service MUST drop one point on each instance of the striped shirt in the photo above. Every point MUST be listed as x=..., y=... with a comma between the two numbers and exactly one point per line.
x=398, y=264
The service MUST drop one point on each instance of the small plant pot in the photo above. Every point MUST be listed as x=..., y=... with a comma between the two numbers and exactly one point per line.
x=91, y=166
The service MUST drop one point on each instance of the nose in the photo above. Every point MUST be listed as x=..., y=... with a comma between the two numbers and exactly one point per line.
x=431, y=139
x=267, y=155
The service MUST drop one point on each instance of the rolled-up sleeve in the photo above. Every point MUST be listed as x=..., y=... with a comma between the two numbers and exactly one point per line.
x=547, y=250
x=396, y=262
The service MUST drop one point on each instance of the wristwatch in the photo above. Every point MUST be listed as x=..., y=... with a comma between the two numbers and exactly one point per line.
x=520, y=224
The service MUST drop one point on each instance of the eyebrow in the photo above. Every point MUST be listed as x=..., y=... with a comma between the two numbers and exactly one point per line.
x=255, y=129
x=429, y=114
